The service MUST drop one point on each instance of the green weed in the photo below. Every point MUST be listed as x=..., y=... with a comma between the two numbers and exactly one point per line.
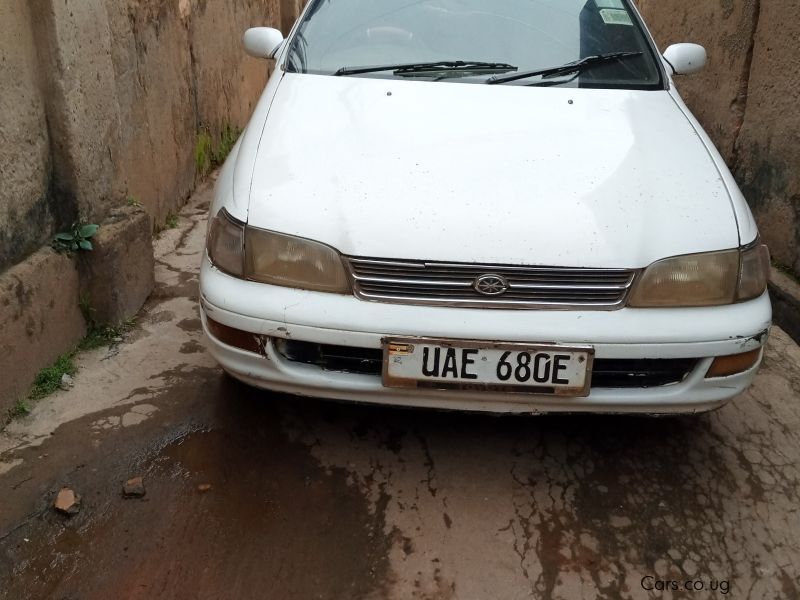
x=227, y=141
x=203, y=153
x=20, y=409
x=210, y=153
x=48, y=380
x=105, y=336
x=77, y=238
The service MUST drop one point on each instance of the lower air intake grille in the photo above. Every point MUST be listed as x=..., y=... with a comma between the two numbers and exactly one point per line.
x=366, y=361
x=640, y=373
x=607, y=372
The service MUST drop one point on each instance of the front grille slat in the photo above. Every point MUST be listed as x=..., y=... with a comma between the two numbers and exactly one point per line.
x=571, y=286
x=459, y=295
x=411, y=282
x=543, y=279
x=438, y=283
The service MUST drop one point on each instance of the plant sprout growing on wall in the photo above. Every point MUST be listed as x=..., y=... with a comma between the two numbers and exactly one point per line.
x=77, y=238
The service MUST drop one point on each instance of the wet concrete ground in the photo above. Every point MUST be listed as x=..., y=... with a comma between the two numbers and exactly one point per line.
x=314, y=499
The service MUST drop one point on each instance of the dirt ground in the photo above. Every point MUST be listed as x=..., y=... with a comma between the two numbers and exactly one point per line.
x=258, y=495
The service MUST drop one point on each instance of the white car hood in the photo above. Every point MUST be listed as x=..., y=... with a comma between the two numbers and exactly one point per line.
x=490, y=174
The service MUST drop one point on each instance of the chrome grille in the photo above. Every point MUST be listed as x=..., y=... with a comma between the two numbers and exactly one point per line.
x=452, y=284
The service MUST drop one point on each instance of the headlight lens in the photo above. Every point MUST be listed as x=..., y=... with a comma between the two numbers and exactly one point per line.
x=290, y=261
x=708, y=279
x=754, y=273
x=226, y=243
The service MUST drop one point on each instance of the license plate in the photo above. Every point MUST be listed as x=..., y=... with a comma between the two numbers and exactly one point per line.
x=485, y=366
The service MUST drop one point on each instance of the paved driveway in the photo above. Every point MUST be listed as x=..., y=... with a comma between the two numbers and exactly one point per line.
x=257, y=495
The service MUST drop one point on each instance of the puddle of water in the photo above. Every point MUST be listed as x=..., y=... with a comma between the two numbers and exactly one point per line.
x=189, y=325
x=273, y=521
x=192, y=347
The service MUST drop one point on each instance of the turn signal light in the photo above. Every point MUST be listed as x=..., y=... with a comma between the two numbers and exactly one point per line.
x=725, y=366
x=244, y=340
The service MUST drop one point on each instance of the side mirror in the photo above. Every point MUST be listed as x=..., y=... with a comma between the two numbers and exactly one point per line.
x=686, y=59
x=262, y=42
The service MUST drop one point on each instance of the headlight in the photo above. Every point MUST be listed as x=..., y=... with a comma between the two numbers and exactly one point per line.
x=274, y=258
x=754, y=274
x=226, y=243
x=290, y=261
x=709, y=279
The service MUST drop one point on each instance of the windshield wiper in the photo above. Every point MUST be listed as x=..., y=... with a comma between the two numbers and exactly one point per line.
x=430, y=67
x=574, y=67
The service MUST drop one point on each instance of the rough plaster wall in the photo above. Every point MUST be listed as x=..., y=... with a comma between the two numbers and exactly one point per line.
x=153, y=88
x=25, y=217
x=39, y=320
x=179, y=70
x=101, y=100
x=716, y=95
x=109, y=96
x=75, y=47
x=227, y=82
x=289, y=11
x=747, y=99
x=768, y=146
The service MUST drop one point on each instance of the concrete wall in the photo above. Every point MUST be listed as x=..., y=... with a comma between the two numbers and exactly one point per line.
x=25, y=210
x=227, y=83
x=101, y=102
x=768, y=146
x=39, y=320
x=747, y=100
x=179, y=71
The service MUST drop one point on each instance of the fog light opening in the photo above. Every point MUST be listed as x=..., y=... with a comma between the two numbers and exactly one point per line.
x=238, y=338
x=725, y=366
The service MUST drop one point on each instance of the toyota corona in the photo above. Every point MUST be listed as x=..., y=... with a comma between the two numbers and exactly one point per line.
x=495, y=206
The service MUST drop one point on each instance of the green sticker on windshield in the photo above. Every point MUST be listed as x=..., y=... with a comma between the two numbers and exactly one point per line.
x=613, y=16
x=609, y=4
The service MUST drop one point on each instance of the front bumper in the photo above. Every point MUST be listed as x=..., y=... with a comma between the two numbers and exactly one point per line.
x=276, y=312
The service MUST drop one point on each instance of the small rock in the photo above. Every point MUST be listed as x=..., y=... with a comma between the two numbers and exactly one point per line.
x=132, y=418
x=203, y=487
x=134, y=488
x=66, y=381
x=690, y=567
x=621, y=522
x=67, y=502
x=117, y=339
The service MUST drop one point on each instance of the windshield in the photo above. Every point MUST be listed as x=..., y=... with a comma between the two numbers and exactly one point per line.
x=338, y=35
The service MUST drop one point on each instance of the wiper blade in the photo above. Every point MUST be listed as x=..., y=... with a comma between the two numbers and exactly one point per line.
x=573, y=67
x=429, y=67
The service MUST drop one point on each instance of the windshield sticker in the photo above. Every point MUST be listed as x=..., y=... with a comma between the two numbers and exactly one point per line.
x=612, y=16
x=610, y=4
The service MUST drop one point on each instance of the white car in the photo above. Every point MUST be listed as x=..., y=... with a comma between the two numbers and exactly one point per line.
x=495, y=206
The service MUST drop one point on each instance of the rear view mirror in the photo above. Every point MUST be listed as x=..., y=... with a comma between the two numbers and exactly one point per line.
x=262, y=42
x=685, y=58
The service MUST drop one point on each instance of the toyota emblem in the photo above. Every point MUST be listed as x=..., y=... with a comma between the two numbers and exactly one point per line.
x=491, y=285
